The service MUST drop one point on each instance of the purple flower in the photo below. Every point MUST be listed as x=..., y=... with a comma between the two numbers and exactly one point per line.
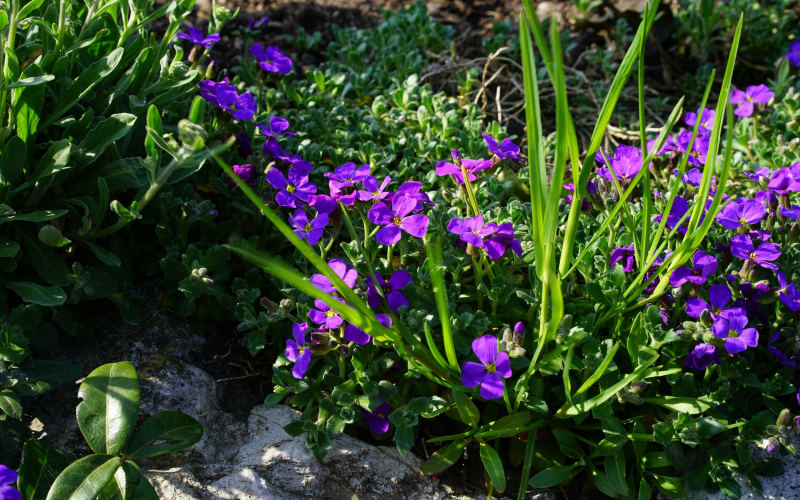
x=624, y=254
x=766, y=198
x=760, y=172
x=506, y=149
x=788, y=293
x=323, y=204
x=679, y=208
x=245, y=172
x=749, y=298
x=414, y=190
x=699, y=152
x=272, y=147
x=754, y=94
x=242, y=107
x=271, y=60
x=736, y=215
x=347, y=174
x=253, y=24
x=244, y=145
x=487, y=373
x=669, y=146
x=742, y=247
x=471, y=166
x=702, y=356
x=718, y=296
x=519, y=328
x=325, y=315
x=277, y=126
x=397, y=219
x=311, y=231
x=352, y=333
x=706, y=120
x=472, y=230
x=783, y=182
x=627, y=163
x=195, y=36
x=342, y=270
x=391, y=289
x=704, y=266
x=732, y=329
x=794, y=57
x=8, y=477
x=208, y=90
x=497, y=245
x=791, y=213
x=373, y=191
x=378, y=420
x=784, y=359
x=591, y=188
x=298, y=186
x=693, y=177
x=296, y=351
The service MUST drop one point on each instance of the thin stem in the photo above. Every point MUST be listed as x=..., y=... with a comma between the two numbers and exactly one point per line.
x=12, y=36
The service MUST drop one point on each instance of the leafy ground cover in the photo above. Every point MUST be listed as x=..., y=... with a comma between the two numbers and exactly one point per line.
x=527, y=249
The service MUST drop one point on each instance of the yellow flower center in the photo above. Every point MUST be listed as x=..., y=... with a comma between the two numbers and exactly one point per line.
x=290, y=188
x=330, y=313
x=381, y=415
x=308, y=228
x=396, y=220
x=233, y=107
x=376, y=193
x=753, y=256
x=491, y=368
x=733, y=333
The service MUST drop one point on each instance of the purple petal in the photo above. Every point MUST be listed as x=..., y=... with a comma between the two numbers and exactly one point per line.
x=395, y=300
x=400, y=279
x=354, y=334
x=695, y=306
x=472, y=374
x=388, y=235
x=301, y=365
x=503, y=365
x=403, y=205
x=492, y=386
x=416, y=225
x=380, y=214
x=485, y=348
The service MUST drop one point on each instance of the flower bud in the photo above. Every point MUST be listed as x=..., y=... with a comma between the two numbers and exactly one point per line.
x=343, y=351
x=709, y=337
x=210, y=70
x=638, y=387
x=286, y=304
x=516, y=352
x=794, y=232
x=772, y=445
x=319, y=349
x=268, y=304
x=770, y=297
x=320, y=337
x=785, y=418
x=706, y=319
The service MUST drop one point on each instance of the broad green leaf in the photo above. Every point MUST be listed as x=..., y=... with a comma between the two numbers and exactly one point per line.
x=28, y=104
x=692, y=406
x=165, y=432
x=85, y=479
x=119, y=175
x=12, y=161
x=54, y=160
x=494, y=467
x=101, y=253
x=610, y=445
x=645, y=491
x=615, y=471
x=637, y=338
x=51, y=236
x=552, y=476
x=93, y=75
x=110, y=406
x=513, y=421
x=9, y=403
x=44, y=259
x=8, y=248
x=28, y=82
x=52, y=296
x=40, y=216
x=467, y=409
x=109, y=130
x=444, y=458
x=39, y=468
x=569, y=446
x=14, y=352
x=29, y=8
x=125, y=484
x=44, y=375
x=670, y=486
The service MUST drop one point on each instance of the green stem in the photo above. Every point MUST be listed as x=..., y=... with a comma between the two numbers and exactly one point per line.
x=12, y=36
x=530, y=448
x=62, y=14
x=342, y=373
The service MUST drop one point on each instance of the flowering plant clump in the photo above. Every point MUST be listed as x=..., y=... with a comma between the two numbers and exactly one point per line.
x=635, y=325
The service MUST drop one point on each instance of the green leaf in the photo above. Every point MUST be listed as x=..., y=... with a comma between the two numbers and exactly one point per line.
x=39, y=468
x=85, y=479
x=10, y=441
x=110, y=407
x=46, y=262
x=494, y=467
x=109, y=130
x=101, y=253
x=404, y=438
x=8, y=248
x=163, y=433
x=692, y=406
x=28, y=82
x=645, y=491
x=609, y=446
x=697, y=478
x=43, y=376
x=54, y=160
x=93, y=75
x=552, y=476
x=466, y=409
x=40, y=216
x=12, y=163
x=443, y=458
x=615, y=471
x=769, y=468
x=569, y=446
x=28, y=103
x=637, y=339
x=9, y=403
x=597, y=293
x=53, y=296
x=14, y=352
x=51, y=236
x=670, y=486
